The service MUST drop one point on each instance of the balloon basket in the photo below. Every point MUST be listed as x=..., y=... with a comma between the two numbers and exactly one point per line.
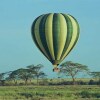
x=56, y=69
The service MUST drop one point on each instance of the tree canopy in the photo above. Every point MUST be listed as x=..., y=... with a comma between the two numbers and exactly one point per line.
x=70, y=68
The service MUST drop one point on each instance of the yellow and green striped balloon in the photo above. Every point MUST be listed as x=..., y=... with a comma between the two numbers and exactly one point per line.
x=55, y=34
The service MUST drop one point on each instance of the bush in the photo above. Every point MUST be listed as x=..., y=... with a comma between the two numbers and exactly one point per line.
x=91, y=82
x=27, y=95
x=96, y=95
x=67, y=83
x=80, y=82
x=85, y=94
x=98, y=83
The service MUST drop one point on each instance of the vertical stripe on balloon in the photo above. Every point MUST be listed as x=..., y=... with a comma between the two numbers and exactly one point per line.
x=69, y=33
x=34, y=38
x=37, y=35
x=49, y=36
x=74, y=36
x=42, y=34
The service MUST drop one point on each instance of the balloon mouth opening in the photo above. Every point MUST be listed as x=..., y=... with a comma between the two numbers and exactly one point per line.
x=55, y=62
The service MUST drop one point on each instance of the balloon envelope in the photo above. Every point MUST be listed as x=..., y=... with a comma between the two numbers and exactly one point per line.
x=55, y=35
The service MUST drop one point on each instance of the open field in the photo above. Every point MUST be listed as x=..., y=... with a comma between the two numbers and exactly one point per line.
x=68, y=92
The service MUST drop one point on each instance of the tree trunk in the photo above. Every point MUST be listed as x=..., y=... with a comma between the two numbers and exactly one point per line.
x=37, y=81
x=73, y=80
x=15, y=82
x=26, y=81
x=30, y=81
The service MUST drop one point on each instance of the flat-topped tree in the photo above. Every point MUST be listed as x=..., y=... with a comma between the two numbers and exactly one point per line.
x=36, y=71
x=72, y=69
x=21, y=73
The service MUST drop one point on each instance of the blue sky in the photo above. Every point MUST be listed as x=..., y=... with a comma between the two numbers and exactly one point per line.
x=17, y=49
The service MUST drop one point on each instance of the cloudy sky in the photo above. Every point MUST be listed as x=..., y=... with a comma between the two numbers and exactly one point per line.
x=17, y=49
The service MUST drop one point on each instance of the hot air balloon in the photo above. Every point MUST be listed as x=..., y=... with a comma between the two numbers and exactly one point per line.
x=55, y=35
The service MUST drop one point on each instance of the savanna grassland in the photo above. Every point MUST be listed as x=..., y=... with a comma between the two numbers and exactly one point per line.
x=61, y=92
x=33, y=84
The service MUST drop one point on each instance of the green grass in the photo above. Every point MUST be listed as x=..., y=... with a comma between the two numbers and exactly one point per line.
x=69, y=92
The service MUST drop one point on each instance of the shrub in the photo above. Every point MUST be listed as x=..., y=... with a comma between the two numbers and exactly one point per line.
x=85, y=94
x=98, y=83
x=91, y=82
x=96, y=95
x=80, y=82
x=27, y=95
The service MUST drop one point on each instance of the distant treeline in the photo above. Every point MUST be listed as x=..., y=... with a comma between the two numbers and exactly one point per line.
x=49, y=82
x=34, y=75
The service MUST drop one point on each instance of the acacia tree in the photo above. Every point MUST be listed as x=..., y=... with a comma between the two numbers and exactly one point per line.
x=24, y=74
x=13, y=75
x=21, y=73
x=96, y=75
x=72, y=69
x=36, y=71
